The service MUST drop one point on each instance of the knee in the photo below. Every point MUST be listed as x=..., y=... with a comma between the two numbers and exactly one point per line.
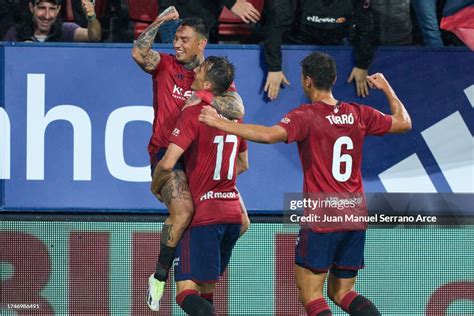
x=183, y=214
x=337, y=295
x=154, y=190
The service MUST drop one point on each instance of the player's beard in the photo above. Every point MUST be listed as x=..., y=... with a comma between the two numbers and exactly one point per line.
x=193, y=63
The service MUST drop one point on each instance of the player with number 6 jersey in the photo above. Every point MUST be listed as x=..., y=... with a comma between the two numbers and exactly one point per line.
x=330, y=135
x=330, y=139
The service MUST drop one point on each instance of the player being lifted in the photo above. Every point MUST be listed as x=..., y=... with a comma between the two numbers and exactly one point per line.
x=323, y=137
x=212, y=160
x=172, y=77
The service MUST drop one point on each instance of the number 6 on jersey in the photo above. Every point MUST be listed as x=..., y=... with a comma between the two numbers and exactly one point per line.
x=337, y=159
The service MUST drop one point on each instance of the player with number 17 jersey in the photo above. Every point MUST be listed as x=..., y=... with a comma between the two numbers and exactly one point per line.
x=210, y=156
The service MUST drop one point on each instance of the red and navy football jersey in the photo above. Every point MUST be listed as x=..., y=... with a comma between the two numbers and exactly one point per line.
x=330, y=140
x=210, y=163
x=171, y=88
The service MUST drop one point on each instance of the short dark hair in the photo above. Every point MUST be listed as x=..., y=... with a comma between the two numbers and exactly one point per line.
x=197, y=24
x=220, y=72
x=321, y=68
x=35, y=2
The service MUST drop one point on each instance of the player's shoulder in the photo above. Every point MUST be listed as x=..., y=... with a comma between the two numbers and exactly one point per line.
x=354, y=106
x=169, y=60
x=192, y=111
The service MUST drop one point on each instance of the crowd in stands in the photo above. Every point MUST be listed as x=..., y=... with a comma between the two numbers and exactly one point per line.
x=391, y=22
x=361, y=23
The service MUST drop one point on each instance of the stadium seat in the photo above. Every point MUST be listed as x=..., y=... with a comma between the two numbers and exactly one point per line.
x=68, y=14
x=143, y=10
x=141, y=13
x=231, y=25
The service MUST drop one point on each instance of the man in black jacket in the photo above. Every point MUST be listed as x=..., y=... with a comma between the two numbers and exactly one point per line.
x=318, y=22
x=210, y=10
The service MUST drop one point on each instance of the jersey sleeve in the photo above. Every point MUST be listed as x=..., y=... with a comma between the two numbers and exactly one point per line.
x=243, y=145
x=186, y=129
x=296, y=125
x=376, y=122
x=165, y=61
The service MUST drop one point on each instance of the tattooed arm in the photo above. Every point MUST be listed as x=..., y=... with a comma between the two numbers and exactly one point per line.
x=164, y=170
x=230, y=105
x=142, y=53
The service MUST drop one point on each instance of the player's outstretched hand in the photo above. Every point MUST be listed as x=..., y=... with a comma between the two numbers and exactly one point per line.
x=274, y=81
x=378, y=81
x=360, y=77
x=246, y=11
x=209, y=116
x=169, y=14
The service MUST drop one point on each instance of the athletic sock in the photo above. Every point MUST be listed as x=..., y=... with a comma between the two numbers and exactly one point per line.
x=357, y=305
x=165, y=259
x=193, y=304
x=318, y=307
x=208, y=297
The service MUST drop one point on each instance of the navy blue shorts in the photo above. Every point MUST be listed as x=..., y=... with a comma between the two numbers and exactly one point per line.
x=159, y=155
x=203, y=253
x=340, y=252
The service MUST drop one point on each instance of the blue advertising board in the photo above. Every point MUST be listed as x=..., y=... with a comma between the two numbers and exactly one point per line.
x=77, y=120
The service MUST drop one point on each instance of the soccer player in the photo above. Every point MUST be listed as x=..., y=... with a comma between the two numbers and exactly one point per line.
x=212, y=160
x=330, y=135
x=172, y=78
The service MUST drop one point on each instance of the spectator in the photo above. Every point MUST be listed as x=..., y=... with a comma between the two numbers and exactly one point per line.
x=320, y=22
x=10, y=14
x=392, y=22
x=45, y=26
x=427, y=18
x=209, y=11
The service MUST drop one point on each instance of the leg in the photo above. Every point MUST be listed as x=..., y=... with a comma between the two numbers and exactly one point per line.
x=245, y=217
x=310, y=291
x=314, y=253
x=177, y=198
x=349, y=258
x=197, y=258
x=341, y=291
x=190, y=301
x=207, y=292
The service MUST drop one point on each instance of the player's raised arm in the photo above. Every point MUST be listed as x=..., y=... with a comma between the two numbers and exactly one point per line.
x=255, y=133
x=142, y=53
x=401, y=121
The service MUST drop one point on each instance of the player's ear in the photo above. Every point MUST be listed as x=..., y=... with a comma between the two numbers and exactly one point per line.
x=31, y=6
x=202, y=43
x=208, y=85
x=308, y=82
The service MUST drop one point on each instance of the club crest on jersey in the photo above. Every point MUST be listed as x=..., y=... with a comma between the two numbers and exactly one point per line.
x=176, y=132
x=340, y=119
x=285, y=120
